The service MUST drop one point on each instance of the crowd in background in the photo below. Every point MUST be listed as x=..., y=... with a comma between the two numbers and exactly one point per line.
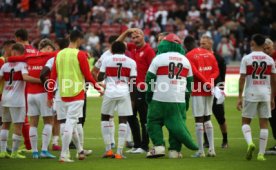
x=229, y=22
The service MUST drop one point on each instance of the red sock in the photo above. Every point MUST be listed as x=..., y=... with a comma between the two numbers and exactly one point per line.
x=25, y=132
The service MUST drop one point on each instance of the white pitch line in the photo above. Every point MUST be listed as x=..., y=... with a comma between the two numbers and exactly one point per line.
x=167, y=139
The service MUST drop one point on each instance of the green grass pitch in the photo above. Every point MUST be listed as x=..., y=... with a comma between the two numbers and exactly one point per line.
x=231, y=158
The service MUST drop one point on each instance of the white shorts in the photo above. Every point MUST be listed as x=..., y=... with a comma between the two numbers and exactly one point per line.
x=123, y=105
x=202, y=105
x=73, y=109
x=251, y=109
x=60, y=109
x=37, y=105
x=14, y=114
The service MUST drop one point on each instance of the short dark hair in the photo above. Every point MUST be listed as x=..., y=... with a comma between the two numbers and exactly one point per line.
x=118, y=47
x=112, y=38
x=22, y=34
x=259, y=39
x=75, y=35
x=62, y=43
x=18, y=47
x=8, y=43
x=189, y=43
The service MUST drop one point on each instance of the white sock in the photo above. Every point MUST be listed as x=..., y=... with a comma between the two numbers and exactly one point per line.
x=67, y=136
x=210, y=134
x=62, y=126
x=128, y=136
x=46, y=136
x=247, y=133
x=80, y=132
x=55, y=140
x=76, y=140
x=112, y=130
x=199, y=136
x=33, y=138
x=15, y=142
x=106, y=134
x=122, y=131
x=4, y=139
x=263, y=140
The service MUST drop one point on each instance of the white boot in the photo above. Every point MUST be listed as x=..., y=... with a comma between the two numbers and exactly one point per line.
x=156, y=151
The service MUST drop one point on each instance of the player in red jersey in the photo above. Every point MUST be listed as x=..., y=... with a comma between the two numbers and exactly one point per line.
x=21, y=36
x=37, y=98
x=205, y=70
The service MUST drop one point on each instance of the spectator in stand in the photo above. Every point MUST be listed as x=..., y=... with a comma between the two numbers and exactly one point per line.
x=7, y=7
x=161, y=17
x=194, y=13
x=149, y=13
x=92, y=39
x=226, y=49
x=22, y=8
x=64, y=9
x=182, y=32
x=40, y=11
x=46, y=4
x=60, y=27
x=44, y=26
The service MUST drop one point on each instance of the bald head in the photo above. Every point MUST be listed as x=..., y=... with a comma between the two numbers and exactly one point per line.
x=137, y=37
x=206, y=42
x=268, y=46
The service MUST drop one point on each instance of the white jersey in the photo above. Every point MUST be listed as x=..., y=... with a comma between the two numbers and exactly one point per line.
x=105, y=55
x=50, y=64
x=172, y=70
x=258, y=67
x=118, y=69
x=14, y=86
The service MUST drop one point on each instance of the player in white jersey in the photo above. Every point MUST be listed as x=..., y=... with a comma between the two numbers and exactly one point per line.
x=118, y=71
x=168, y=78
x=257, y=74
x=95, y=72
x=13, y=101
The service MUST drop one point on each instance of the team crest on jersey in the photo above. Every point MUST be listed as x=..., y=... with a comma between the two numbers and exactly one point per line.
x=141, y=54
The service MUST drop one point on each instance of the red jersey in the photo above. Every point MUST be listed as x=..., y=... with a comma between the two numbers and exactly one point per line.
x=205, y=70
x=143, y=57
x=35, y=63
x=82, y=58
x=274, y=56
x=30, y=49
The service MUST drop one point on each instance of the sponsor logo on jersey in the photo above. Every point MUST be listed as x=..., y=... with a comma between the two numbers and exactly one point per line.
x=205, y=68
x=35, y=67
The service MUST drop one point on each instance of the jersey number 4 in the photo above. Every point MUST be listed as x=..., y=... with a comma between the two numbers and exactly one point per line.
x=172, y=71
x=256, y=66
